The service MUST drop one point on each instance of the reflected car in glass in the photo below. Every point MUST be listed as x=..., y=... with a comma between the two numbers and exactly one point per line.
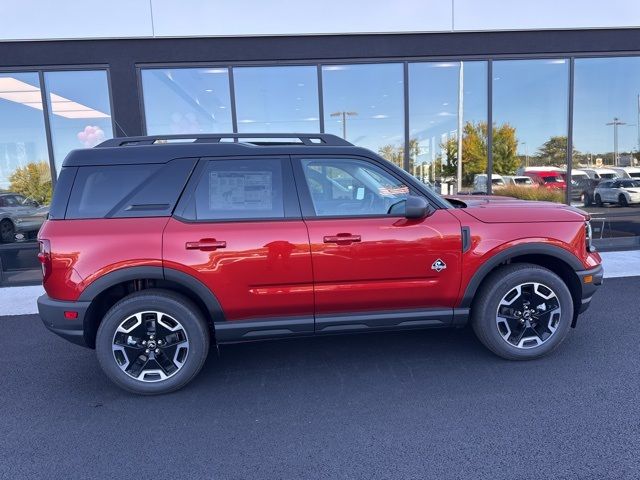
x=20, y=217
x=623, y=192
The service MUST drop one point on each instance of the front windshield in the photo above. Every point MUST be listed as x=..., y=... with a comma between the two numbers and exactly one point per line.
x=630, y=183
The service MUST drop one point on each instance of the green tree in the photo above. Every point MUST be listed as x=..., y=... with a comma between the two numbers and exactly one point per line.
x=33, y=181
x=395, y=153
x=553, y=152
x=505, y=145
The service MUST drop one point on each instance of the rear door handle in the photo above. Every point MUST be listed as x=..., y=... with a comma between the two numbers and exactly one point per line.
x=342, y=239
x=206, y=244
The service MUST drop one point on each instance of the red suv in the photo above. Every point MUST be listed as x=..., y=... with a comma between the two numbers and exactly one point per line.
x=155, y=248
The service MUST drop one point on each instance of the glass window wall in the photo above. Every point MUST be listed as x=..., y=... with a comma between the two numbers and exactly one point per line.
x=277, y=99
x=187, y=100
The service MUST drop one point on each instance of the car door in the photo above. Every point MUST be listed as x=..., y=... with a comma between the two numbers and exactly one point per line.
x=368, y=262
x=239, y=231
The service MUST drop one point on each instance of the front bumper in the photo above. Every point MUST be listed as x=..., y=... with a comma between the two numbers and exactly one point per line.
x=52, y=315
x=589, y=287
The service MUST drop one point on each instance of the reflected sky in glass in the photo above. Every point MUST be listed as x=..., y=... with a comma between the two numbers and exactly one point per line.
x=372, y=99
x=22, y=130
x=187, y=100
x=532, y=96
x=605, y=88
x=79, y=110
x=277, y=99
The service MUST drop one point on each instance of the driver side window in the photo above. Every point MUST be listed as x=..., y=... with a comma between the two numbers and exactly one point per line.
x=350, y=187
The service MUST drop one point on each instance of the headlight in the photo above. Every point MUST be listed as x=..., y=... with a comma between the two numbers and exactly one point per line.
x=588, y=233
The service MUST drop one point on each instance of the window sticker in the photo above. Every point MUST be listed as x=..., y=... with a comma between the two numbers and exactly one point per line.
x=240, y=190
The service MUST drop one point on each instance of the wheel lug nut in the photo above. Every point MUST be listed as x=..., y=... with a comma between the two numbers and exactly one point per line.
x=152, y=337
x=144, y=342
x=146, y=351
x=157, y=350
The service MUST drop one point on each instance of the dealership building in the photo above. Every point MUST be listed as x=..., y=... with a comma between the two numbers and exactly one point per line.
x=416, y=81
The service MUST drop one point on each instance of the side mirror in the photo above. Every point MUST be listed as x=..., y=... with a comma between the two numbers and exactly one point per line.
x=417, y=207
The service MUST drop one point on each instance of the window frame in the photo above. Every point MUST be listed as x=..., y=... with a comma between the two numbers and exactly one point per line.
x=306, y=202
x=289, y=195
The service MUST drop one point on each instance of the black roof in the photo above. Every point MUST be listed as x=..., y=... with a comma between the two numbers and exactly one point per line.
x=163, y=148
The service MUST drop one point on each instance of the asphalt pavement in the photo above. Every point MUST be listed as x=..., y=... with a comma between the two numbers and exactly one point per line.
x=410, y=405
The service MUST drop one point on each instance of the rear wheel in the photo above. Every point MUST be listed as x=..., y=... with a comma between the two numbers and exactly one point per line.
x=7, y=231
x=152, y=342
x=598, y=200
x=522, y=312
x=622, y=201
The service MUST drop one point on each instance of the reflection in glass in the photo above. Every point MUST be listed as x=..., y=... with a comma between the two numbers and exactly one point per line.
x=530, y=101
x=445, y=97
x=24, y=160
x=79, y=110
x=606, y=139
x=364, y=105
x=277, y=99
x=187, y=100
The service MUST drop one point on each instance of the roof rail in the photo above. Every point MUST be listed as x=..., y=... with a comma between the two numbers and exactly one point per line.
x=314, y=139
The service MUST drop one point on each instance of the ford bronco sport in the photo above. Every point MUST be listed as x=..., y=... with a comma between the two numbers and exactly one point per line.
x=157, y=247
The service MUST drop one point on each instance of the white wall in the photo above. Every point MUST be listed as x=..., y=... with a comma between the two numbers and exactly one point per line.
x=60, y=19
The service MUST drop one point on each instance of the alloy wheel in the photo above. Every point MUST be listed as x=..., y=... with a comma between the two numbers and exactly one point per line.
x=528, y=315
x=150, y=346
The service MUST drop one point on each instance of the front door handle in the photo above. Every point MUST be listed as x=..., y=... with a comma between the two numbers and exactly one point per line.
x=206, y=244
x=342, y=239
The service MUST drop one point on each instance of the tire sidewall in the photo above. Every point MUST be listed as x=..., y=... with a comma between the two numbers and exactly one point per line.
x=182, y=311
x=502, y=284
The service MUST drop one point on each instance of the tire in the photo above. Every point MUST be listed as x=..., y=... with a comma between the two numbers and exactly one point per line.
x=622, y=201
x=495, y=331
x=7, y=231
x=186, y=347
x=598, y=200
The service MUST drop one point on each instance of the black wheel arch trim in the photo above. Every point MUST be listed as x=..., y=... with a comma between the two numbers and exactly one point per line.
x=154, y=273
x=516, y=251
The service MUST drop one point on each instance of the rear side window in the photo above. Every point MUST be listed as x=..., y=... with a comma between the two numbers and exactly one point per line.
x=120, y=191
x=238, y=189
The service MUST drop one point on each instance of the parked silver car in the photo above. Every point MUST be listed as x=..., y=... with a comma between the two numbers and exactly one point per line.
x=19, y=216
x=623, y=191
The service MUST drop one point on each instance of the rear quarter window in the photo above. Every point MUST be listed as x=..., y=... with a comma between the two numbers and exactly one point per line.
x=121, y=191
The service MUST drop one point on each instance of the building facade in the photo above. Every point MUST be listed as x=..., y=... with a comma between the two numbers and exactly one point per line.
x=417, y=82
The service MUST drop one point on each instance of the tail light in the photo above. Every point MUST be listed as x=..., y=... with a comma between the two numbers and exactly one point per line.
x=45, y=258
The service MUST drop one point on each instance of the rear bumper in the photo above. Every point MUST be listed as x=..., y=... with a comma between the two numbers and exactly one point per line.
x=52, y=315
x=589, y=287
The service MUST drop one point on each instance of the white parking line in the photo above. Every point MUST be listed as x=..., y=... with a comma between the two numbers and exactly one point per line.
x=22, y=300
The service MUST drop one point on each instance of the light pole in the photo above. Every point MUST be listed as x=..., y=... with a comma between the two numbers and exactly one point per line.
x=344, y=116
x=616, y=123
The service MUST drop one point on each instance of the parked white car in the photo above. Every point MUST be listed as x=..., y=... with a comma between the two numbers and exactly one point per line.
x=623, y=191
x=518, y=180
x=627, y=172
x=601, y=173
x=480, y=182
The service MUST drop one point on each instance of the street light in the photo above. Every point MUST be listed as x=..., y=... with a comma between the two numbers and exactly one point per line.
x=616, y=123
x=344, y=116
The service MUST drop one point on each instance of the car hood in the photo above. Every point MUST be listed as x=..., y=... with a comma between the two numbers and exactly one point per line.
x=496, y=209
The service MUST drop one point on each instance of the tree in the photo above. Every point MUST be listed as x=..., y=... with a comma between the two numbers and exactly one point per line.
x=33, y=181
x=553, y=152
x=395, y=153
x=474, y=151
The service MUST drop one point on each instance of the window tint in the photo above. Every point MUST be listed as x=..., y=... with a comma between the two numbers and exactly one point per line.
x=120, y=191
x=239, y=189
x=348, y=187
x=97, y=190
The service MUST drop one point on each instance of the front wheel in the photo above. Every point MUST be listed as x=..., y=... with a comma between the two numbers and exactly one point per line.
x=522, y=312
x=152, y=342
x=622, y=201
x=7, y=231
